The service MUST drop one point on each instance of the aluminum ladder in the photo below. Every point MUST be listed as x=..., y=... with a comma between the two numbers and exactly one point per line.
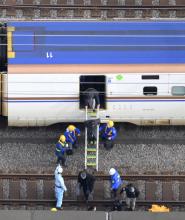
x=91, y=150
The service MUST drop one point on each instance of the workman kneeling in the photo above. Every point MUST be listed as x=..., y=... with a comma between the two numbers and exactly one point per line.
x=108, y=134
x=71, y=135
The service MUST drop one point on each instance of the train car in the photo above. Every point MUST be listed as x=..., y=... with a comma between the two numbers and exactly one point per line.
x=137, y=67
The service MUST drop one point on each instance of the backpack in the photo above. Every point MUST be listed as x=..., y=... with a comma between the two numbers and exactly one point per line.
x=117, y=206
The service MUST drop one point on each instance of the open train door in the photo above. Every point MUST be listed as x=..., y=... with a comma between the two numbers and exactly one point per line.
x=97, y=82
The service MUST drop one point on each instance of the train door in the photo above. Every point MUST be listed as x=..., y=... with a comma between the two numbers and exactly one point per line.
x=96, y=82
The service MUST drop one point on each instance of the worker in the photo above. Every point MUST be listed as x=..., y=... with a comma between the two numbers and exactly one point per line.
x=86, y=181
x=116, y=183
x=60, y=150
x=91, y=98
x=108, y=134
x=131, y=194
x=71, y=134
x=60, y=187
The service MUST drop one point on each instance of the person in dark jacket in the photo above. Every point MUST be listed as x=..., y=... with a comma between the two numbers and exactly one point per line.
x=131, y=194
x=86, y=181
x=92, y=130
x=60, y=150
x=91, y=98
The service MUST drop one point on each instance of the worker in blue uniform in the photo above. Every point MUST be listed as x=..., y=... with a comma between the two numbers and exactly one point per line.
x=71, y=135
x=108, y=134
x=116, y=183
x=60, y=187
x=60, y=150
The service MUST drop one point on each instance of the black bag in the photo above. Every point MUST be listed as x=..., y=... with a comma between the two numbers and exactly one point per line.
x=108, y=144
x=69, y=151
x=117, y=206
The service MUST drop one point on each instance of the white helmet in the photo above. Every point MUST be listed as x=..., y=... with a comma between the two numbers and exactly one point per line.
x=112, y=171
x=59, y=169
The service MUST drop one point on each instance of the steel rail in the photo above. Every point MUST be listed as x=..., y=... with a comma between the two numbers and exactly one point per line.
x=82, y=202
x=92, y=7
x=31, y=176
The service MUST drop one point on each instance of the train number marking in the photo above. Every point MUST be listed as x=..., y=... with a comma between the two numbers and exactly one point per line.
x=49, y=55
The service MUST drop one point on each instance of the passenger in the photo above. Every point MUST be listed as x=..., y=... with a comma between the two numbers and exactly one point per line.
x=60, y=150
x=92, y=130
x=71, y=134
x=86, y=181
x=131, y=194
x=116, y=183
x=91, y=98
x=59, y=187
x=108, y=134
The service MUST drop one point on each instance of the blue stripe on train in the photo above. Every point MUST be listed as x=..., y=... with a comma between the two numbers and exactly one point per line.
x=11, y=101
x=106, y=43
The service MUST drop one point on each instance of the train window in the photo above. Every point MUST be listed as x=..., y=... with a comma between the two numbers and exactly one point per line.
x=150, y=90
x=149, y=77
x=178, y=90
x=96, y=82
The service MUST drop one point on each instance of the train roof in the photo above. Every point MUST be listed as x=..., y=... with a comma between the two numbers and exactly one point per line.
x=118, y=44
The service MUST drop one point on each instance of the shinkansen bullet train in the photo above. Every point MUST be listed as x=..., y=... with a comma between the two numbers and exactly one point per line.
x=137, y=67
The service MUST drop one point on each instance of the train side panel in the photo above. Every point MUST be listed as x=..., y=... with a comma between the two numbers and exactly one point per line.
x=47, y=99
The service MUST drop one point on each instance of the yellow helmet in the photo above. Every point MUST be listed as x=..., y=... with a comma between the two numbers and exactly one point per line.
x=62, y=138
x=71, y=127
x=53, y=209
x=110, y=124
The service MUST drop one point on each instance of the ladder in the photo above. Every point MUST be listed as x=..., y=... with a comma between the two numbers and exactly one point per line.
x=91, y=149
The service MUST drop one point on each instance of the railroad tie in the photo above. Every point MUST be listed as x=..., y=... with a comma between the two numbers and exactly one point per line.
x=14, y=191
x=150, y=190
x=48, y=189
x=31, y=188
x=112, y=13
x=167, y=192
x=182, y=191
x=78, y=12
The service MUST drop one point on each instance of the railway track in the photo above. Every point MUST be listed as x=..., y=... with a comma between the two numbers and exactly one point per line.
x=37, y=190
x=80, y=203
x=101, y=177
x=91, y=9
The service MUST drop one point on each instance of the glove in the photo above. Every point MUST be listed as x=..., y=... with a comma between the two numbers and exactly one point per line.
x=67, y=145
x=109, y=138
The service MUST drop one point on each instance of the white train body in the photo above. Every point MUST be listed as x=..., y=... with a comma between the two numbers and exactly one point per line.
x=54, y=98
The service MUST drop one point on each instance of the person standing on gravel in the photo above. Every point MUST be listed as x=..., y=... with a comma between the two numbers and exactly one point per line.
x=60, y=150
x=60, y=187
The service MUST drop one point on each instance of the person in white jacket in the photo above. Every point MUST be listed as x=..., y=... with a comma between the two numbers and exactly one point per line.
x=60, y=187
